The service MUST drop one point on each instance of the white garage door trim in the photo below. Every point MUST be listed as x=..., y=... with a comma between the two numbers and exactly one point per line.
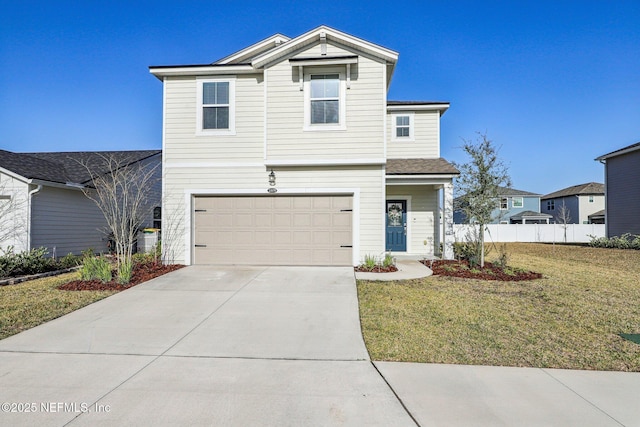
x=192, y=193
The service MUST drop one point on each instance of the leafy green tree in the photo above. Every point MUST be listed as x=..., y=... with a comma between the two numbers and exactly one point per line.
x=478, y=185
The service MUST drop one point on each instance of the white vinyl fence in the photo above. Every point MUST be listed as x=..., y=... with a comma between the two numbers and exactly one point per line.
x=547, y=233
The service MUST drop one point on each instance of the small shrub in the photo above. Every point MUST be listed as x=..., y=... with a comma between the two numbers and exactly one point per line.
x=370, y=262
x=626, y=241
x=96, y=268
x=388, y=261
x=125, y=271
x=503, y=256
x=467, y=251
x=70, y=260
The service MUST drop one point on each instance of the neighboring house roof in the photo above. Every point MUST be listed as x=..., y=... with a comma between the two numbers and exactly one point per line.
x=530, y=215
x=597, y=214
x=67, y=167
x=437, y=166
x=504, y=191
x=625, y=150
x=591, y=188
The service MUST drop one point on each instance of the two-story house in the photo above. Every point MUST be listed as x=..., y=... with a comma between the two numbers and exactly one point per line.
x=622, y=190
x=577, y=202
x=512, y=207
x=288, y=152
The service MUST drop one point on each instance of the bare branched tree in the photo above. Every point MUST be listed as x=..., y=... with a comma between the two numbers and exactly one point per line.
x=479, y=183
x=122, y=195
x=564, y=218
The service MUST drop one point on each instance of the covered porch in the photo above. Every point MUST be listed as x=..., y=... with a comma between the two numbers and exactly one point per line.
x=419, y=207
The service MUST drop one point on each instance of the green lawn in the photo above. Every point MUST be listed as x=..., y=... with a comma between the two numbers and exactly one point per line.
x=29, y=304
x=568, y=319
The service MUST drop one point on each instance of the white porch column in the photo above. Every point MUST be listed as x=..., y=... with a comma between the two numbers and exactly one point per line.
x=448, y=237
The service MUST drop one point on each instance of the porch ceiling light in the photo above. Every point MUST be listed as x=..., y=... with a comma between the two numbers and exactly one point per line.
x=272, y=178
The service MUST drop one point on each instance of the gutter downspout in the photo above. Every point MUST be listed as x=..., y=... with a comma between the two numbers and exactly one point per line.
x=31, y=193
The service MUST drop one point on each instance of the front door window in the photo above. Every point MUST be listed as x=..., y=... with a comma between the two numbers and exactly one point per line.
x=394, y=213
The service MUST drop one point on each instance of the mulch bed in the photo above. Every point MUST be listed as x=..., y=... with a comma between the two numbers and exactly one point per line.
x=389, y=269
x=141, y=273
x=490, y=271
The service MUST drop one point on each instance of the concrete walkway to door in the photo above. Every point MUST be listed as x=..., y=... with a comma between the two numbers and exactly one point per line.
x=203, y=346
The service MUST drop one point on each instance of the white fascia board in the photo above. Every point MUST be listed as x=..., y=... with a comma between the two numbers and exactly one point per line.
x=204, y=70
x=418, y=179
x=418, y=107
x=331, y=34
x=619, y=153
x=256, y=47
x=324, y=162
x=322, y=61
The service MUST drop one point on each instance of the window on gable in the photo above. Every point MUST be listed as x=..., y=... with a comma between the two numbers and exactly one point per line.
x=325, y=99
x=517, y=202
x=216, y=106
x=590, y=199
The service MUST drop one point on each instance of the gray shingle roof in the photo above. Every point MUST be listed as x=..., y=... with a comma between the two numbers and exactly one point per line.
x=503, y=191
x=627, y=149
x=67, y=167
x=530, y=214
x=594, y=188
x=438, y=166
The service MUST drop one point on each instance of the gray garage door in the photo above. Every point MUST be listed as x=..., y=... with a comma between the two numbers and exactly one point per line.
x=273, y=230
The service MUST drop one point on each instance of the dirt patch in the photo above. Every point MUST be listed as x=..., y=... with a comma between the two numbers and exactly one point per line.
x=490, y=271
x=141, y=273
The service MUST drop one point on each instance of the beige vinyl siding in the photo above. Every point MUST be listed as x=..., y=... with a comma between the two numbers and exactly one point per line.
x=363, y=136
x=13, y=213
x=182, y=144
x=422, y=217
x=368, y=180
x=587, y=208
x=66, y=221
x=426, y=138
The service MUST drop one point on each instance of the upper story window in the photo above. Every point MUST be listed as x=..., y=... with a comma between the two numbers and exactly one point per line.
x=324, y=97
x=504, y=203
x=517, y=202
x=551, y=205
x=402, y=127
x=216, y=106
x=590, y=199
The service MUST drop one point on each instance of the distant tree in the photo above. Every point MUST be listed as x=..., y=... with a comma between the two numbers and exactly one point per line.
x=564, y=218
x=478, y=185
x=121, y=192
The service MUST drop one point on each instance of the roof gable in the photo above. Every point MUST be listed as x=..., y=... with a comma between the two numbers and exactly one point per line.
x=318, y=35
x=625, y=150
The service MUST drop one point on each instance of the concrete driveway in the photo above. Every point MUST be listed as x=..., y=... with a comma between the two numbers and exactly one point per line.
x=203, y=346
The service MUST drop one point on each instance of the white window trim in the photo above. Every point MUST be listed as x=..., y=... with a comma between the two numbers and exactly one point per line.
x=513, y=202
x=232, y=106
x=342, y=120
x=394, y=126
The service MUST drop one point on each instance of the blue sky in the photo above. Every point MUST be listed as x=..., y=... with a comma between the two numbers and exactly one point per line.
x=553, y=83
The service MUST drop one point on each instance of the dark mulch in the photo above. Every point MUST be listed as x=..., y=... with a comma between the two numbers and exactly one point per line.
x=141, y=273
x=489, y=272
x=381, y=269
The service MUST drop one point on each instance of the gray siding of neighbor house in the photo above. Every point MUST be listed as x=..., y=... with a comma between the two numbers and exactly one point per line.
x=66, y=221
x=623, y=194
x=572, y=204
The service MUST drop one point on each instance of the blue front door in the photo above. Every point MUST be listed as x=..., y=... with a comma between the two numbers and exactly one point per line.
x=396, y=225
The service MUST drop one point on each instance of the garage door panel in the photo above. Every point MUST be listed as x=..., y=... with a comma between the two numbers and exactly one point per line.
x=273, y=230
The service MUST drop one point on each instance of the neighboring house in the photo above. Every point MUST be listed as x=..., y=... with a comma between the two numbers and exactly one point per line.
x=513, y=207
x=580, y=201
x=622, y=190
x=42, y=203
x=288, y=152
